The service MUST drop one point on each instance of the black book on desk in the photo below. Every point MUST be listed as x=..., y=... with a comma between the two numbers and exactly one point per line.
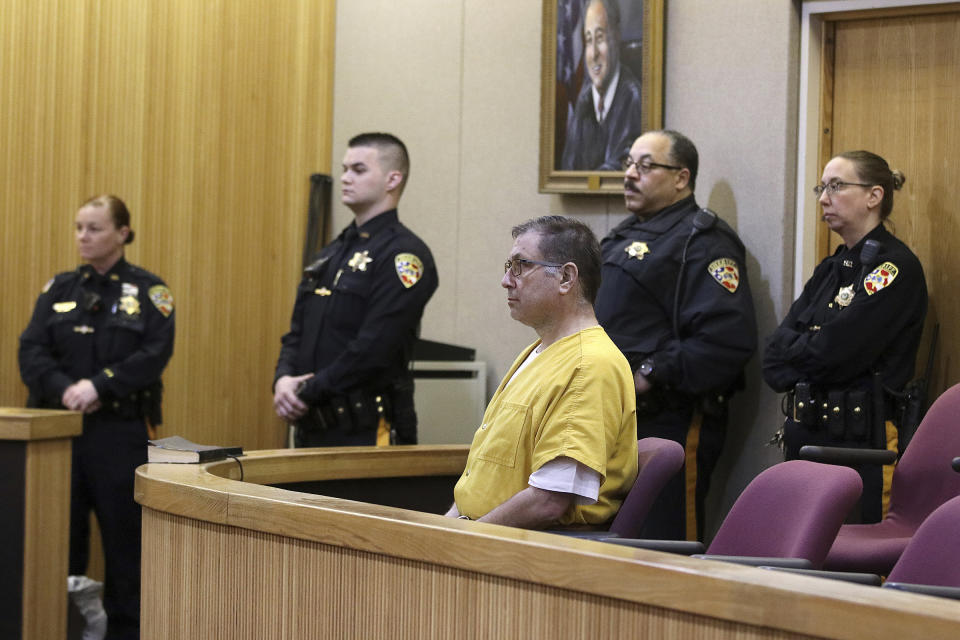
x=177, y=449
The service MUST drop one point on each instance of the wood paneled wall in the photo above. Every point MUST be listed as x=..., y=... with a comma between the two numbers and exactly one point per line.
x=207, y=117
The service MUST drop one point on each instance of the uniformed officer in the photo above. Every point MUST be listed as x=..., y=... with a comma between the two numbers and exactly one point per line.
x=343, y=376
x=98, y=341
x=849, y=342
x=675, y=299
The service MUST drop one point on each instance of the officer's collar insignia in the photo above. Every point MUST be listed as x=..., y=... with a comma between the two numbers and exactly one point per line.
x=162, y=299
x=322, y=291
x=82, y=328
x=364, y=235
x=637, y=250
x=129, y=305
x=360, y=260
x=47, y=286
x=63, y=307
x=726, y=273
x=880, y=277
x=409, y=268
x=848, y=263
x=114, y=276
x=129, y=289
x=845, y=296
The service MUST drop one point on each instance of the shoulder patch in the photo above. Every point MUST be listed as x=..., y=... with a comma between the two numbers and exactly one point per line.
x=47, y=286
x=409, y=268
x=162, y=299
x=726, y=273
x=880, y=277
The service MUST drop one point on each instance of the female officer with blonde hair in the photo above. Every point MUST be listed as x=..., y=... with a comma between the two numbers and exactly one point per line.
x=98, y=341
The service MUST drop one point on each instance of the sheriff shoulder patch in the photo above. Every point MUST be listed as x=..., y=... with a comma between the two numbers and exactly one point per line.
x=409, y=268
x=162, y=299
x=726, y=273
x=880, y=277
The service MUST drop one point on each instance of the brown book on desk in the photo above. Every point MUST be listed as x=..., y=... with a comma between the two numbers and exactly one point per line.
x=177, y=449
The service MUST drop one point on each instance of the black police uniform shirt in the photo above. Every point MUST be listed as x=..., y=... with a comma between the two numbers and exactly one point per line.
x=850, y=322
x=358, y=308
x=115, y=329
x=717, y=328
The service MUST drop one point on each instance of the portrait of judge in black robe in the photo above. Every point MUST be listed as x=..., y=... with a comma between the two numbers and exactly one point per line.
x=606, y=115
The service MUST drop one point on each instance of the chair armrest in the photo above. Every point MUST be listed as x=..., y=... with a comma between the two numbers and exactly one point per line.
x=847, y=455
x=925, y=589
x=956, y=464
x=756, y=561
x=683, y=547
x=869, y=579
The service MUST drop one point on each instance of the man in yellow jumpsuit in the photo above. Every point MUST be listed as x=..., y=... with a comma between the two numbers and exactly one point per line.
x=557, y=445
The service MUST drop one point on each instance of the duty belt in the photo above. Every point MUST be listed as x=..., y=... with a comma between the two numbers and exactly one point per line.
x=355, y=412
x=854, y=414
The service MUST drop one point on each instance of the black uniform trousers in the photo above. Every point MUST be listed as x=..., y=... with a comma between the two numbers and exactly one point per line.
x=672, y=517
x=334, y=438
x=105, y=458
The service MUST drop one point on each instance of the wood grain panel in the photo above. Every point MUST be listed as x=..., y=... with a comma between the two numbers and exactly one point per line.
x=228, y=558
x=895, y=93
x=204, y=580
x=46, y=548
x=207, y=118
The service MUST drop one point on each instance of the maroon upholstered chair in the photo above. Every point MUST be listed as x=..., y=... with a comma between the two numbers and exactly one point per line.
x=658, y=460
x=790, y=512
x=922, y=481
x=932, y=557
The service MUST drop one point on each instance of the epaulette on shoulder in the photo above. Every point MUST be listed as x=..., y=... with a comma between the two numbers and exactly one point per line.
x=61, y=278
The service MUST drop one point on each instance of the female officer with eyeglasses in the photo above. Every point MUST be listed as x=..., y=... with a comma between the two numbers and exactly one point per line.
x=851, y=337
x=98, y=341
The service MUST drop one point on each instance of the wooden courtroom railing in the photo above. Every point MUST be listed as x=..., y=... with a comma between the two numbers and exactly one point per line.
x=35, y=521
x=224, y=558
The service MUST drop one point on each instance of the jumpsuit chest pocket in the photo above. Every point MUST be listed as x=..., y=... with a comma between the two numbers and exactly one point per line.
x=501, y=436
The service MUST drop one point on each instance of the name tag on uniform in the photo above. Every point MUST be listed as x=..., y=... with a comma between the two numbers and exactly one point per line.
x=63, y=307
x=82, y=328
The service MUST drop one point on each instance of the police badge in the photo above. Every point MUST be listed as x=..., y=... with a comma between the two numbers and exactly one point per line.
x=637, y=250
x=844, y=296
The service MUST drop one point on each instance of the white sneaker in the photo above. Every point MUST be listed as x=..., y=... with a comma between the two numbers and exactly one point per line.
x=85, y=594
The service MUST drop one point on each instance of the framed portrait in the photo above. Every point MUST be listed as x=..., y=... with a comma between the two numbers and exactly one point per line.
x=601, y=87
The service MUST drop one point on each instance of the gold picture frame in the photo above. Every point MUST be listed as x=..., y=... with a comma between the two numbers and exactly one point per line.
x=640, y=47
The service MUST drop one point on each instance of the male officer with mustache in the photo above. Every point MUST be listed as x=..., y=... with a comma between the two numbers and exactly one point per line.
x=675, y=299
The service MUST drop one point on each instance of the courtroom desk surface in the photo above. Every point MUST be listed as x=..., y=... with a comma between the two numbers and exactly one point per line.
x=716, y=590
x=38, y=424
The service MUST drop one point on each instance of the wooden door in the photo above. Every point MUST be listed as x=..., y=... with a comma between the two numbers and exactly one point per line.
x=892, y=86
